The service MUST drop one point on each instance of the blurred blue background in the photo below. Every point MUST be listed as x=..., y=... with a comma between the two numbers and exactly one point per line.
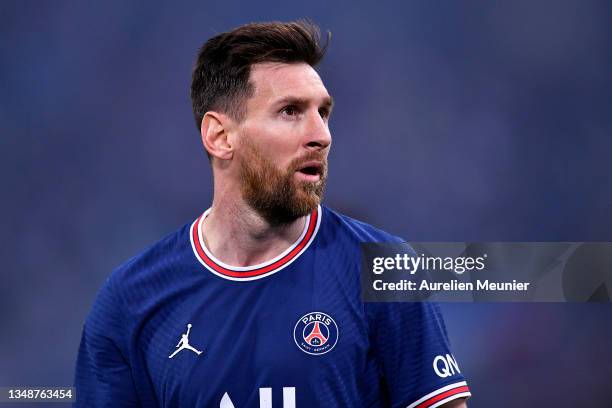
x=454, y=121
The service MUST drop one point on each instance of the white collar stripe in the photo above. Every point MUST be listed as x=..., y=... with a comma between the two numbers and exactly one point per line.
x=256, y=271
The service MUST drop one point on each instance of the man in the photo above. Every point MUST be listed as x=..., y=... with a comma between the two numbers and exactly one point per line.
x=266, y=280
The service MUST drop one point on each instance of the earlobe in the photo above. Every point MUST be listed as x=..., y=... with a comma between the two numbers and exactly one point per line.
x=214, y=135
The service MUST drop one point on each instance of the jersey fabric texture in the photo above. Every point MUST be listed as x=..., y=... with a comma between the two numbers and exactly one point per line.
x=176, y=327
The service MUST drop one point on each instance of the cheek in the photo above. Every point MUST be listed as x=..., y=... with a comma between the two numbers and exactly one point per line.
x=279, y=143
x=281, y=162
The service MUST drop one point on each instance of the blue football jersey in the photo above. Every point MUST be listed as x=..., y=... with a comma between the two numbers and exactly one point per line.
x=176, y=327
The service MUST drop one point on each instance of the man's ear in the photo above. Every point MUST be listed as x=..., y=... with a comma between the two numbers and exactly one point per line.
x=214, y=132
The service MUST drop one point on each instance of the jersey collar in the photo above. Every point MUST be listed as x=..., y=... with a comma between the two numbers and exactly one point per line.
x=247, y=273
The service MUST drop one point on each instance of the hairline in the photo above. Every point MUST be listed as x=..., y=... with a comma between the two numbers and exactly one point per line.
x=240, y=114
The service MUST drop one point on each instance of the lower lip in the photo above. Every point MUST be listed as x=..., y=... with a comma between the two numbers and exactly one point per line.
x=308, y=177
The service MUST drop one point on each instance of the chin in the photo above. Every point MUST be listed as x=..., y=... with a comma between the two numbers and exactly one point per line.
x=308, y=201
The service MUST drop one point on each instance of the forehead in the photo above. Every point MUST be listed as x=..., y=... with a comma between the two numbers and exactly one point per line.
x=274, y=81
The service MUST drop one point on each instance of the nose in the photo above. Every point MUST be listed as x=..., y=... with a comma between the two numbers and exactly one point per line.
x=317, y=135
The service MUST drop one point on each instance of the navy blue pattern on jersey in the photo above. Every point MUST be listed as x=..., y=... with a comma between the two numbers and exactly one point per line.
x=170, y=330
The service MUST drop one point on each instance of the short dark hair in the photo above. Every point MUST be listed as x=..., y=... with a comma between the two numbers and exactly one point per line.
x=220, y=79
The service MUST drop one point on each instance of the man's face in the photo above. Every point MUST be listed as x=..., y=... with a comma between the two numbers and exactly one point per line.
x=284, y=141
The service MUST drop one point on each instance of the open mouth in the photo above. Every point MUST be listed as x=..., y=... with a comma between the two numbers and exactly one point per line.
x=311, y=170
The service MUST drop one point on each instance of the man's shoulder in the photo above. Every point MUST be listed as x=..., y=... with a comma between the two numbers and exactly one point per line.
x=356, y=229
x=172, y=249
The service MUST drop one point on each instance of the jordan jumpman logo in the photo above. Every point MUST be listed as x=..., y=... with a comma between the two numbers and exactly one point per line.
x=184, y=344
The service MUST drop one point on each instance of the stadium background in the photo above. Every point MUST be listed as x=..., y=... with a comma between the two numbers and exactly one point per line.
x=462, y=121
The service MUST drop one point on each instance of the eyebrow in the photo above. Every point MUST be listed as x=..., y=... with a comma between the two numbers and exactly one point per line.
x=328, y=101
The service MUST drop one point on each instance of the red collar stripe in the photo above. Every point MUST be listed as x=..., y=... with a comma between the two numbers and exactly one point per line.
x=265, y=269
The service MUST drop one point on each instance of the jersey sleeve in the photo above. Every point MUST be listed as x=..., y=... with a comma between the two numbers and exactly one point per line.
x=103, y=377
x=412, y=349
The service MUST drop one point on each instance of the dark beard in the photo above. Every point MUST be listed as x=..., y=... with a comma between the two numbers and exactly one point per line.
x=275, y=194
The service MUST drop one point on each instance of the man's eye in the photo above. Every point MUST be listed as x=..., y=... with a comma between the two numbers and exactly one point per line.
x=290, y=110
x=324, y=113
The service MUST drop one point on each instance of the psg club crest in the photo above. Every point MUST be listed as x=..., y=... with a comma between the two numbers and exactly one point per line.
x=315, y=333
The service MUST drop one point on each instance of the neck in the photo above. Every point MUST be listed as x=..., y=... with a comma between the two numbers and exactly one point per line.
x=237, y=235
